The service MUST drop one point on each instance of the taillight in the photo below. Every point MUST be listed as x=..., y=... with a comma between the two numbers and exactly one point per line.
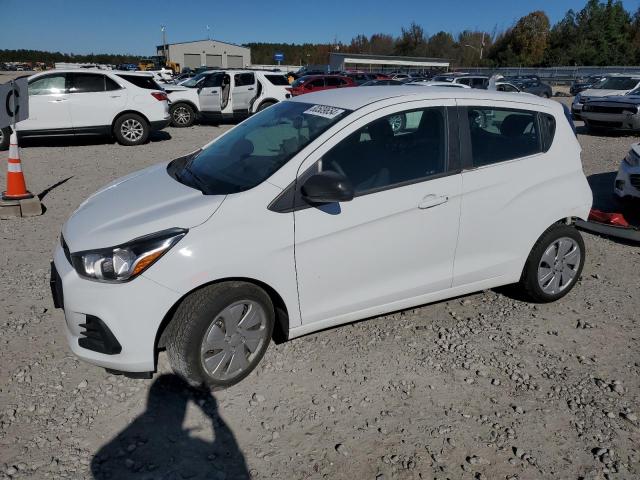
x=160, y=96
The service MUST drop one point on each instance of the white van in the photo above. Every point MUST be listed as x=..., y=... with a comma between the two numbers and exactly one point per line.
x=225, y=94
x=316, y=212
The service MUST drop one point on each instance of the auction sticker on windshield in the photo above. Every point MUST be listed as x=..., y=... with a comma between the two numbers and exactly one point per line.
x=324, y=111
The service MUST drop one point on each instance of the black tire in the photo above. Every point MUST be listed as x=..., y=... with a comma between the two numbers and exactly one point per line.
x=529, y=280
x=182, y=115
x=136, y=135
x=265, y=105
x=193, y=318
x=5, y=135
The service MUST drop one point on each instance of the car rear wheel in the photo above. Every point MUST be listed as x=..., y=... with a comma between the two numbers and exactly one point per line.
x=5, y=135
x=182, y=115
x=554, y=264
x=131, y=129
x=219, y=333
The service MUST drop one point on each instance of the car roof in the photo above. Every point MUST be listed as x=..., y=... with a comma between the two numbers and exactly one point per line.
x=94, y=70
x=355, y=98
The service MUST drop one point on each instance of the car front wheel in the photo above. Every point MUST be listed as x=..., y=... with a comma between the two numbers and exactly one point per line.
x=219, y=333
x=554, y=264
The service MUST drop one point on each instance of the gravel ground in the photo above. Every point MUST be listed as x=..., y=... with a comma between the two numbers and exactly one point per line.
x=479, y=387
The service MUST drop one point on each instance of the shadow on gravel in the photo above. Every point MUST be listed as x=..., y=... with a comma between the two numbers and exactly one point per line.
x=156, y=445
x=83, y=140
x=46, y=191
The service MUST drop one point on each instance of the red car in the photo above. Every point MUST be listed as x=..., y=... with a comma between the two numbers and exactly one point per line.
x=315, y=83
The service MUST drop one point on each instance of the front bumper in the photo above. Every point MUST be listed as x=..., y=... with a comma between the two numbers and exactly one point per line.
x=132, y=312
x=613, y=121
x=627, y=183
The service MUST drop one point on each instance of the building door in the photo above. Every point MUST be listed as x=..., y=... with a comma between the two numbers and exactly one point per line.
x=234, y=61
x=192, y=60
x=214, y=60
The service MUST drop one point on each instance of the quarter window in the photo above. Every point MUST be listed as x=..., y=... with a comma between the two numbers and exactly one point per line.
x=393, y=150
x=499, y=134
x=48, y=85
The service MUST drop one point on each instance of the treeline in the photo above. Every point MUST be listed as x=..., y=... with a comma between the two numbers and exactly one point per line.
x=602, y=33
x=33, y=56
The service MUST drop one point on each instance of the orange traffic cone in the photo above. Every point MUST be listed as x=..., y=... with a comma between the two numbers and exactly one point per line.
x=16, y=187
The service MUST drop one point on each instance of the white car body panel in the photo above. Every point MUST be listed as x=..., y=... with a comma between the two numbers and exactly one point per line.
x=623, y=186
x=334, y=264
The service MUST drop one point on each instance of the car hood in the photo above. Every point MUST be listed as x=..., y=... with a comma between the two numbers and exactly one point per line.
x=599, y=92
x=144, y=202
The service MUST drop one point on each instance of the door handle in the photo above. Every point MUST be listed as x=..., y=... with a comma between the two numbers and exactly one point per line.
x=58, y=100
x=250, y=88
x=116, y=96
x=432, y=200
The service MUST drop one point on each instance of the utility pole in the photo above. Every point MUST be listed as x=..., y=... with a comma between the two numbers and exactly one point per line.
x=482, y=46
x=208, y=33
x=163, y=29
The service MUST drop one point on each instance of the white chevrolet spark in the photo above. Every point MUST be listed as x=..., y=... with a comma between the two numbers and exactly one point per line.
x=323, y=209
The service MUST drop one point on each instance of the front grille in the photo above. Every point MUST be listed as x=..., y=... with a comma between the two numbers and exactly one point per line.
x=635, y=180
x=609, y=109
x=96, y=336
x=602, y=123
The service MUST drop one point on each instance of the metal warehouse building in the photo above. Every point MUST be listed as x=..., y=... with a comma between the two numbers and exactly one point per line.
x=207, y=53
x=346, y=61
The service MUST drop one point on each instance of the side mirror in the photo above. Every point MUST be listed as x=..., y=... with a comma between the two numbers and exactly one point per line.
x=327, y=187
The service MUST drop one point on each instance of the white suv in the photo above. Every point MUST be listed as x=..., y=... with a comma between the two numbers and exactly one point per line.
x=95, y=102
x=317, y=212
x=225, y=94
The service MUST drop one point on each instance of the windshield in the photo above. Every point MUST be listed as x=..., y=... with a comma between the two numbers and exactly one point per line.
x=617, y=83
x=193, y=81
x=255, y=149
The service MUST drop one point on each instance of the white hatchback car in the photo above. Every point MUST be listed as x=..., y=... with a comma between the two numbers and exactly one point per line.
x=627, y=183
x=317, y=212
x=126, y=105
x=225, y=94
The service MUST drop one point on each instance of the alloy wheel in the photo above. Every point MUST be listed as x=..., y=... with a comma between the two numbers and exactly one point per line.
x=132, y=130
x=181, y=115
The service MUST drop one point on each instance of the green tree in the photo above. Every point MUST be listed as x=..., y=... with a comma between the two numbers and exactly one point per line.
x=412, y=41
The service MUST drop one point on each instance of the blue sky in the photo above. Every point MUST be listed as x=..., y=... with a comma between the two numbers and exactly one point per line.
x=133, y=26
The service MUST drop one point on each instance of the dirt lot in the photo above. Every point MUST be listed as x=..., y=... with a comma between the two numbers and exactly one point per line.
x=480, y=387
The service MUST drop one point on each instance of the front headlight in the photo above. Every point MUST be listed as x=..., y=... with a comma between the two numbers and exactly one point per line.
x=577, y=98
x=125, y=262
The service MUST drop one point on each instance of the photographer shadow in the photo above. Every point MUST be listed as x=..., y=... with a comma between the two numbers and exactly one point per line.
x=156, y=444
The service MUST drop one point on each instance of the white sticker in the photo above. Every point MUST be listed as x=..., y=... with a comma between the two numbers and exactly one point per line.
x=324, y=111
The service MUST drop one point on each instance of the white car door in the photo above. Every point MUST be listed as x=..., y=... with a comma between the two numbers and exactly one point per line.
x=48, y=104
x=394, y=243
x=91, y=104
x=512, y=189
x=209, y=93
x=243, y=90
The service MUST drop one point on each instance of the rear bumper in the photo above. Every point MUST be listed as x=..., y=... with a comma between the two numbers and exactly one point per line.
x=129, y=316
x=159, y=124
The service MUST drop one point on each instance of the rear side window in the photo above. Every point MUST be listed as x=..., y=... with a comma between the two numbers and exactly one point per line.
x=142, y=81
x=243, y=79
x=500, y=134
x=277, y=79
x=318, y=82
x=547, y=130
x=87, y=83
x=110, y=84
x=333, y=81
